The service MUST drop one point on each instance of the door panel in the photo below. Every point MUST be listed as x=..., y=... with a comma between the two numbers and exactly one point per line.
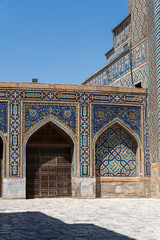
x=0, y=177
x=32, y=182
x=48, y=163
x=44, y=181
x=64, y=181
x=52, y=181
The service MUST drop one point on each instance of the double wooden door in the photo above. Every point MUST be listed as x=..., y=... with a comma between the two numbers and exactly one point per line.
x=49, y=176
x=0, y=178
x=48, y=162
x=1, y=157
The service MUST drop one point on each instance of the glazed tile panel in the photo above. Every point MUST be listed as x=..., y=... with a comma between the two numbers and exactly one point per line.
x=66, y=114
x=115, y=153
x=122, y=66
x=139, y=54
x=122, y=34
x=117, y=52
x=157, y=52
x=151, y=122
x=84, y=134
x=130, y=115
x=140, y=74
x=3, y=116
x=139, y=28
x=68, y=108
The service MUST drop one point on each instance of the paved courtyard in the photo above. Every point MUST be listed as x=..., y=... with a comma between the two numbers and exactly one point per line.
x=80, y=219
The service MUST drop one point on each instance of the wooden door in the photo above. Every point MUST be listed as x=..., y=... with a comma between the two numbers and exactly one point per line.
x=1, y=157
x=48, y=163
x=0, y=178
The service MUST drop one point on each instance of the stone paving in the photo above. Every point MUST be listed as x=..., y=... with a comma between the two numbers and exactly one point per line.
x=80, y=219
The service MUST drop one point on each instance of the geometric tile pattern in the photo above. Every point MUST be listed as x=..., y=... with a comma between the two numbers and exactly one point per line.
x=35, y=112
x=122, y=34
x=125, y=81
x=84, y=129
x=145, y=22
x=141, y=64
x=15, y=134
x=115, y=153
x=122, y=67
x=151, y=149
x=139, y=25
x=116, y=53
x=67, y=107
x=130, y=115
x=139, y=54
x=157, y=52
x=141, y=75
x=62, y=104
x=119, y=68
x=139, y=71
x=3, y=117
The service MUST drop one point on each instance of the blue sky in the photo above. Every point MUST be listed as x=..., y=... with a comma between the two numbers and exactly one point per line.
x=56, y=41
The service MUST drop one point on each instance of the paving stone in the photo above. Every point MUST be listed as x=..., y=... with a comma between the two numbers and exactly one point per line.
x=77, y=219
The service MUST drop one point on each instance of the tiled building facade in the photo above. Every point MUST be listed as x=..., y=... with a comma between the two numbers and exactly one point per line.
x=83, y=114
x=97, y=139
x=134, y=62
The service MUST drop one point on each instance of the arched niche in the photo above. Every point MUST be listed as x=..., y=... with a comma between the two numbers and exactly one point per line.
x=50, y=146
x=2, y=161
x=117, y=151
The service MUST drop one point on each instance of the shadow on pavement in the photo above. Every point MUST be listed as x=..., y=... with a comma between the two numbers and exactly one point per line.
x=36, y=225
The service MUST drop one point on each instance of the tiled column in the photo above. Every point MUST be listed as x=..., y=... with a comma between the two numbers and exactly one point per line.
x=157, y=55
x=156, y=174
x=85, y=184
x=14, y=186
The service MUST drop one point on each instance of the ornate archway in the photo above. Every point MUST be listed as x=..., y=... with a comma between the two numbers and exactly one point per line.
x=49, y=152
x=1, y=157
x=3, y=146
x=117, y=151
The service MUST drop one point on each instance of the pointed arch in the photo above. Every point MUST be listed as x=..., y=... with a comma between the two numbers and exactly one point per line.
x=64, y=129
x=129, y=131
x=116, y=120
x=3, y=162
